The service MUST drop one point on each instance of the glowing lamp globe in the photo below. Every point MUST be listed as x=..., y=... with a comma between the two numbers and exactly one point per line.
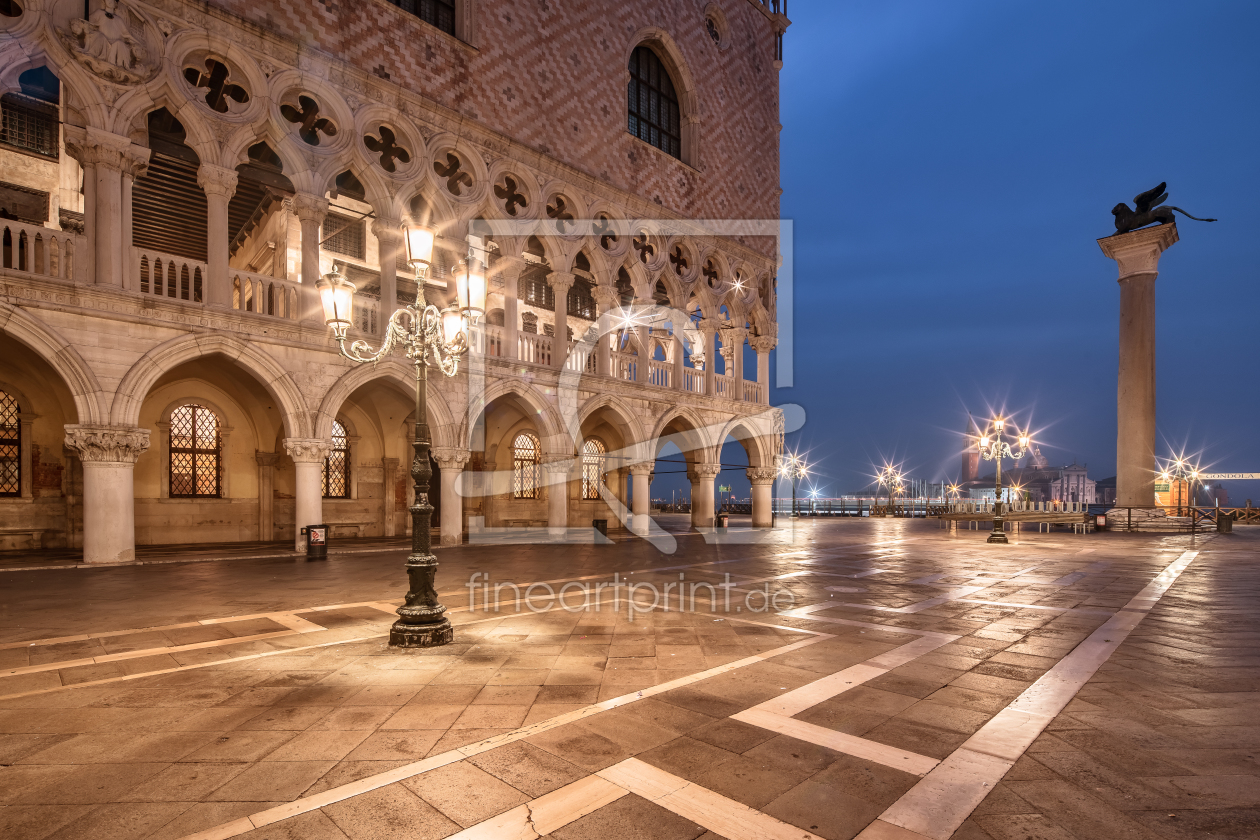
x=419, y=242
x=336, y=294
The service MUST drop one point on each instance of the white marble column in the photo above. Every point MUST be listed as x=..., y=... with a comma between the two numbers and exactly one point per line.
x=108, y=455
x=389, y=472
x=709, y=329
x=219, y=185
x=310, y=211
x=308, y=456
x=104, y=157
x=641, y=497
x=510, y=269
x=560, y=282
x=1137, y=255
x=266, y=494
x=452, y=463
x=735, y=361
x=680, y=358
x=558, y=474
x=762, y=480
x=702, y=505
x=135, y=164
x=605, y=301
x=389, y=244
x=763, y=344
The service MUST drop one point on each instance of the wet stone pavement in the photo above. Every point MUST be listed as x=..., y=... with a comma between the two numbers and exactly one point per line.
x=887, y=680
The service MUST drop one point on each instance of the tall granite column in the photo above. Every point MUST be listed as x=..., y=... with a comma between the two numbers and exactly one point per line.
x=108, y=455
x=1137, y=255
x=308, y=456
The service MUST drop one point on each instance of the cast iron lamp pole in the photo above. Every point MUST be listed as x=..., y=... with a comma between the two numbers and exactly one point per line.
x=795, y=468
x=994, y=448
x=427, y=335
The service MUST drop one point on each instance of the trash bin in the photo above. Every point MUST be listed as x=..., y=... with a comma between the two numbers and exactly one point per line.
x=723, y=520
x=600, y=525
x=1100, y=521
x=316, y=542
x=1225, y=523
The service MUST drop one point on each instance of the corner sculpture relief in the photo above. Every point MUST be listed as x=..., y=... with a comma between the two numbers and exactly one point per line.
x=108, y=44
x=1148, y=211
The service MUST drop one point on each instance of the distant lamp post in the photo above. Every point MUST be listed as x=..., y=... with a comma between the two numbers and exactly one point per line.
x=891, y=478
x=953, y=490
x=993, y=445
x=1180, y=470
x=793, y=466
x=428, y=336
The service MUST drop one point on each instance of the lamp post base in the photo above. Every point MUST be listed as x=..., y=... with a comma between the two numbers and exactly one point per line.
x=421, y=635
x=998, y=535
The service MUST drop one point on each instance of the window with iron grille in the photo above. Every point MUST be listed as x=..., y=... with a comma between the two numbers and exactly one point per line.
x=581, y=301
x=652, y=103
x=196, y=449
x=10, y=446
x=592, y=467
x=29, y=124
x=337, y=465
x=526, y=460
x=344, y=235
x=534, y=289
x=439, y=13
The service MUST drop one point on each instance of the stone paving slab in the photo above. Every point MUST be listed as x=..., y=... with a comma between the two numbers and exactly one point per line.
x=595, y=724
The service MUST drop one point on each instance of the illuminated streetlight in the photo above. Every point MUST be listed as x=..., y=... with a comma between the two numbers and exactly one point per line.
x=428, y=336
x=793, y=466
x=993, y=446
x=891, y=478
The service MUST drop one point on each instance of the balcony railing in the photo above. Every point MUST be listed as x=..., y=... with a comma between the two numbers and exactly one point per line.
x=693, y=380
x=625, y=366
x=166, y=275
x=492, y=339
x=754, y=393
x=39, y=251
x=723, y=384
x=534, y=348
x=660, y=374
x=266, y=295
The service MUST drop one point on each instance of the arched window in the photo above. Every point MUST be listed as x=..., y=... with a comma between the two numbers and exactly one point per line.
x=195, y=452
x=652, y=103
x=10, y=446
x=337, y=465
x=592, y=467
x=526, y=457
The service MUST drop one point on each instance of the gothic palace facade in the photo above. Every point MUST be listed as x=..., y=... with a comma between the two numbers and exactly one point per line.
x=175, y=176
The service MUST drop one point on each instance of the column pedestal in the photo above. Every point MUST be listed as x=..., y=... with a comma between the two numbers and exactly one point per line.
x=308, y=456
x=452, y=462
x=108, y=455
x=762, y=480
x=1137, y=255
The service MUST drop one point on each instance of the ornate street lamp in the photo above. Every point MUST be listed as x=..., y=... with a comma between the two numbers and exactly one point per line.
x=793, y=466
x=1180, y=470
x=993, y=446
x=427, y=336
x=891, y=477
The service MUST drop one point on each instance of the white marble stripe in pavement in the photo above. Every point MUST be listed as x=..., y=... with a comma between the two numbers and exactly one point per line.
x=864, y=748
x=304, y=805
x=547, y=813
x=723, y=816
x=938, y=805
x=1082, y=610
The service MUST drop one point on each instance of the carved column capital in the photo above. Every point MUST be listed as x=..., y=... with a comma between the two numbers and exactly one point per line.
x=606, y=297
x=709, y=326
x=310, y=208
x=387, y=230
x=1137, y=252
x=642, y=469
x=763, y=343
x=561, y=281
x=307, y=450
x=93, y=147
x=696, y=472
x=450, y=459
x=266, y=459
x=217, y=180
x=559, y=464
x=107, y=444
x=761, y=476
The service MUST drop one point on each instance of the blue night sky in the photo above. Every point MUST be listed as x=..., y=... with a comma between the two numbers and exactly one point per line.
x=949, y=166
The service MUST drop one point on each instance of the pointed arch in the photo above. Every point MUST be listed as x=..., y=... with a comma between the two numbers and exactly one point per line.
x=89, y=398
x=635, y=434
x=549, y=422
x=398, y=372
x=146, y=371
x=694, y=433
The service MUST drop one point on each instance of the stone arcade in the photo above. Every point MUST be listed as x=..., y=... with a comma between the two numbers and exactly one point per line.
x=175, y=176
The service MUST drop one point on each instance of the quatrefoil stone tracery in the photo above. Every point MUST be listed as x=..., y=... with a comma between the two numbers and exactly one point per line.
x=310, y=123
x=387, y=148
x=218, y=89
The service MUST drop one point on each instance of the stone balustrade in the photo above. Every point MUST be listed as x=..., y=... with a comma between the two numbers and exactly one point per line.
x=41, y=251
